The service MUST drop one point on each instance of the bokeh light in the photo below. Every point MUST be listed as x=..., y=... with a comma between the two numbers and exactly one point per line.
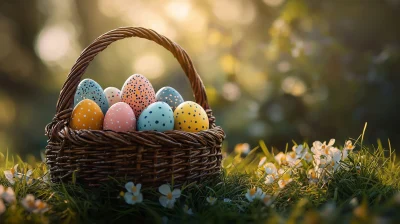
x=149, y=64
x=53, y=43
x=294, y=85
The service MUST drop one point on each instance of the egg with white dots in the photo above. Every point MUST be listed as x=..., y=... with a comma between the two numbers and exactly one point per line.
x=87, y=115
x=138, y=92
x=157, y=116
x=170, y=96
x=113, y=95
x=90, y=89
x=190, y=117
x=120, y=118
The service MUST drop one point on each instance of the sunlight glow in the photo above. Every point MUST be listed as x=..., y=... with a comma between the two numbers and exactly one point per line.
x=178, y=9
x=150, y=65
x=273, y=3
x=53, y=43
x=231, y=91
x=294, y=85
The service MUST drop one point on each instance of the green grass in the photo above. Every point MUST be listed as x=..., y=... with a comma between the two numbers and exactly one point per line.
x=370, y=176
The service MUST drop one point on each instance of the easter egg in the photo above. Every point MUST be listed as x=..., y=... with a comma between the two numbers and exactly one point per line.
x=138, y=93
x=89, y=89
x=157, y=116
x=120, y=118
x=191, y=117
x=170, y=96
x=113, y=95
x=87, y=115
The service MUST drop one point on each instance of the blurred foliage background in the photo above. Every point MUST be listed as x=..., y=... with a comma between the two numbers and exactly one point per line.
x=275, y=70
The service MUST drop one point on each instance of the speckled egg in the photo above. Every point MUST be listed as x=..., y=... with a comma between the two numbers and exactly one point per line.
x=170, y=96
x=138, y=93
x=156, y=117
x=120, y=118
x=89, y=89
x=87, y=115
x=191, y=117
x=113, y=95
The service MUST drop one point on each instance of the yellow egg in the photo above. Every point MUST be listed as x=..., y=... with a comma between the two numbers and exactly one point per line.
x=191, y=117
x=87, y=115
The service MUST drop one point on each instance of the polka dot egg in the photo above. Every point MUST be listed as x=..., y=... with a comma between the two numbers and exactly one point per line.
x=120, y=118
x=170, y=96
x=89, y=89
x=191, y=117
x=113, y=95
x=138, y=93
x=87, y=115
x=156, y=117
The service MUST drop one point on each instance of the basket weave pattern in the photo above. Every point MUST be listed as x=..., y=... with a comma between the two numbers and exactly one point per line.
x=149, y=157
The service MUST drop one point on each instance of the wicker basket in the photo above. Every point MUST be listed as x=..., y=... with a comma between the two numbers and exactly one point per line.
x=147, y=157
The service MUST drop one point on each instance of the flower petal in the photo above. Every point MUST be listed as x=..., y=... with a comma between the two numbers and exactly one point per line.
x=138, y=187
x=128, y=186
x=164, y=189
x=163, y=201
x=139, y=198
x=176, y=193
x=331, y=142
x=128, y=198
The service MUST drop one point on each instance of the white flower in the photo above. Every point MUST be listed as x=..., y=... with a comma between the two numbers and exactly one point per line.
x=242, y=148
x=269, y=179
x=300, y=151
x=270, y=168
x=308, y=157
x=2, y=207
x=262, y=161
x=322, y=148
x=187, y=210
x=293, y=161
x=312, y=176
x=281, y=158
x=227, y=200
x=285, y=180
x=7, y=194
x=253, y=193
x=131, y=188
x=133, y=196
x=169, y=197
x=211, y=200
x=266, y=199
x=347, y=149
x=12, y=175
x=336, y=157
x=321, y=160
x=35, y=206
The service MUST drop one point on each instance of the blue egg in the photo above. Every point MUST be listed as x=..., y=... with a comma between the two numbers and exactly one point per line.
x=170, y=96
x=157, y=116
x=89, y=89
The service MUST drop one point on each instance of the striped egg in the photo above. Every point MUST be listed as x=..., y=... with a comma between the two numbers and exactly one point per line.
x=138, y=93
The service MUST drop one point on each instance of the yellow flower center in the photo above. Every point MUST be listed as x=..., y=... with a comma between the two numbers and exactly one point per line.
x=12, y=171
x=134, y=189
x=31, y=203
x=266, y=199
x=252, y=192
x=41, y=205
x=169, y=196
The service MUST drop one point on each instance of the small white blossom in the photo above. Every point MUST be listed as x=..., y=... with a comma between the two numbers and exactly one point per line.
x=270, y=168
x=281, y=158
x=269, y=179
x=35, y=206
x=300, y=151
x=227, y=200
x=293, y=161
x=312, y=176
x=253, y=193
x=7, y=194
x=285, y=180
x=12, y=175
x=262, y=161
x=347, y=149
x=169, y=197
x=133, y=196
x=187, y=210
x=211, y=200
x=266, y=199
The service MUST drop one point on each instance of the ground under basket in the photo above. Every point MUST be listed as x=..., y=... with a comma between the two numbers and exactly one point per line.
x=147, y=157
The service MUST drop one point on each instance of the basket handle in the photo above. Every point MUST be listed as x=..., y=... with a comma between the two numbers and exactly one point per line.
x=68, y=90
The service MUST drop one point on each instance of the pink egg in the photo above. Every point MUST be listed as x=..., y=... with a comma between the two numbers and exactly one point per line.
x=138, y=93
x=120, y=118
